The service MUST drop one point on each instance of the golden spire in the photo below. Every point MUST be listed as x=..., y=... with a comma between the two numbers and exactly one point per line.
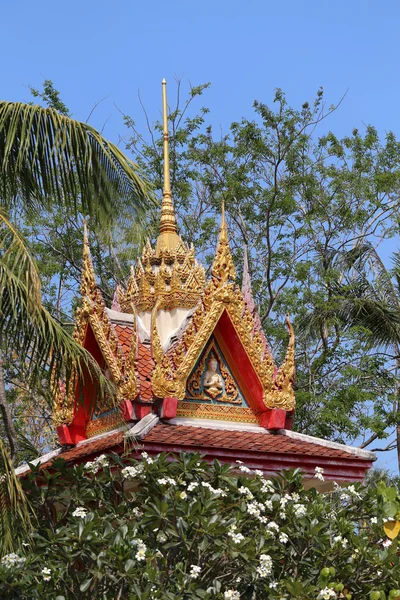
x=168, y=238
x=223, y=269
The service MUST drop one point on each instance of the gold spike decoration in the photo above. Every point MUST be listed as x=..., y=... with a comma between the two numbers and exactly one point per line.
x=223, y=269
x=283, y=393
x=91, y=312
x=168, y=238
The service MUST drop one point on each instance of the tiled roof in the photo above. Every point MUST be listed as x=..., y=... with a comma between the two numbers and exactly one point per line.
x=198, y=437
x=256, y=449
x=144, y=361
x=145, y=366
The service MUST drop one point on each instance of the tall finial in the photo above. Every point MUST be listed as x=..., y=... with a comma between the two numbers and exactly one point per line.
x=223, y=269
x=168, y=237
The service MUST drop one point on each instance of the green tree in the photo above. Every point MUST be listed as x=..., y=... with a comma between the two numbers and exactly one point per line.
x=185, y=529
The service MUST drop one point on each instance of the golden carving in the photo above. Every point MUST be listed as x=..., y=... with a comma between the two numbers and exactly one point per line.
x=120, y=368
x=104, y=424
x=283, y=395
x=216, y=411
x=228, y=392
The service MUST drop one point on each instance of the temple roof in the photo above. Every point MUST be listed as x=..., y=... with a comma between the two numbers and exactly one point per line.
x=255, y=447
x=191, y=357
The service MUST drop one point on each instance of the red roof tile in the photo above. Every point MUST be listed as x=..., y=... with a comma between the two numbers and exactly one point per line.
x=167, y=437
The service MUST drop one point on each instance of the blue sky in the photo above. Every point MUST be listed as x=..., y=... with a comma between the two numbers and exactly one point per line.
x=245, y=49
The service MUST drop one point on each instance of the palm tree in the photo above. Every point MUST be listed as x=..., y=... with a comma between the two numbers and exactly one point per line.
x=366, y=296
x=48, y=159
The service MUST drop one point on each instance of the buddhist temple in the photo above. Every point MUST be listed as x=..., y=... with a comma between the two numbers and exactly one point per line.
x=192, y=366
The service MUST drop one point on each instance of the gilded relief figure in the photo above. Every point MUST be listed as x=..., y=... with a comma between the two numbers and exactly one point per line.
x=212, y=381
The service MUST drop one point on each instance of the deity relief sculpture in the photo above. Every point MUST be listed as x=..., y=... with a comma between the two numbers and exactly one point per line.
x=212, y=382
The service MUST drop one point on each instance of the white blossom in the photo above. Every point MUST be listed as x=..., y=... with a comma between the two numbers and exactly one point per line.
x=244, y=469
x=80, y=512
x=98, y=463
x=231, y=595
x=268, y=504
x=130, y=472
x=319, y=471
x=300, y=510
x=265, y=567
x=283, y=538
x=374, y=520
x=183, y=495
x=236, y=537
x=246, y=492
x=13, y=560
x=147, y=458
x=387, y=543
x=267, y=486
x=327, y=593
x=162, y=537
x=141, y=549
x=192, y=486
x=46, y=572
x=272, y=526
x=194, y=571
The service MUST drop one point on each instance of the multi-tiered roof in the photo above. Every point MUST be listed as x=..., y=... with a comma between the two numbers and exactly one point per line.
x=191, y=364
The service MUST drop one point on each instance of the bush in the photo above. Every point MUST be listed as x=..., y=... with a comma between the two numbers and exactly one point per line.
x=183, y=529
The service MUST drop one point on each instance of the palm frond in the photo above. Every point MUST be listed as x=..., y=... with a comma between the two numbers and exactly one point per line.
x=47, y=157
x=15, y=522
x=28, y=330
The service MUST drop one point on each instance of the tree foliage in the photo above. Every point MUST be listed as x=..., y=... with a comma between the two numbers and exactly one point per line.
x=184, y=529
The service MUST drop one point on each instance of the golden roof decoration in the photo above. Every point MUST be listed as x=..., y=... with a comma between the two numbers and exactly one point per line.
x=92, y=311
x=169, y=272
x=173, y=368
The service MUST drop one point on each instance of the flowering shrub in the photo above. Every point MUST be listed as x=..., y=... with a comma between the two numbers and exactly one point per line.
x=184, y=529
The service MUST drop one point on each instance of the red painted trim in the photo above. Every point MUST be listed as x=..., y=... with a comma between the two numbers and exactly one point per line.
x=168, y=408
x=242, y=363
x=273, y=419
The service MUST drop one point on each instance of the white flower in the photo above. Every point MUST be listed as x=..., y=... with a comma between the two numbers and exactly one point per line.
x=183, y=495
x=98, y=463
x=236, y=537
x=272, y=526
x=387, y=543
x=300, y=510
x=162, y=537
x=141, y=549
x=374, y=520
x=268, y=504
x=46, y=574
x=258, y=473
x=319, y=471
x=166, y=481
x=273, y=585
x=267, y=486
x=147, y=458
x=263, y=519
x=253, y=509
x=295, y=497
x=283, y=538
x=244, y=469
x=80, y=512
x=282, y=515
x=194, y=571
x=353, y=491
x=192, y=486
x=137, y=512
x=246, y=492
x=327, y=593
x=231, y=595
x=13, y=560
x=129, y=472
x=265, y=567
